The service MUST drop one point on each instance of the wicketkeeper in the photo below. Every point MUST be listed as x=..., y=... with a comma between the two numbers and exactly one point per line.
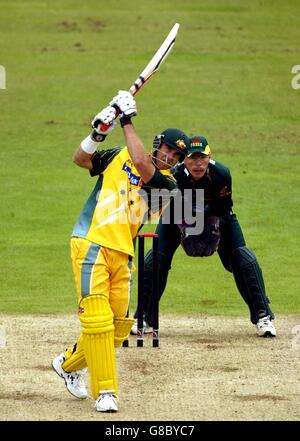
x=222, y=233
x=102, y=244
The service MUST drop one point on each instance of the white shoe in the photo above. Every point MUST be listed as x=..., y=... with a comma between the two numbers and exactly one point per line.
x=265, y=327
x=147, y=328
x=73, y=380
x=107, y=402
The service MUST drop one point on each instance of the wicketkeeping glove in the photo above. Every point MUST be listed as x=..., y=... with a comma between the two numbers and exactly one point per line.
x=204, y=244
x=126, y=103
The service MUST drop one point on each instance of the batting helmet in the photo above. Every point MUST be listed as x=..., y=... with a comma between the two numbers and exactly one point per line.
x=175, y=139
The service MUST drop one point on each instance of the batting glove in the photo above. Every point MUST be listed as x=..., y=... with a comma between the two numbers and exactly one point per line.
x=126, y=103
x=104, y=122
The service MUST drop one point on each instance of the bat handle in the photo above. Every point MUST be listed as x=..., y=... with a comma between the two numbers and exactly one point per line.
x=104, y=127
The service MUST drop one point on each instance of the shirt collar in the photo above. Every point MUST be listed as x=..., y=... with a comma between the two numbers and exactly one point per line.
x=187, y=173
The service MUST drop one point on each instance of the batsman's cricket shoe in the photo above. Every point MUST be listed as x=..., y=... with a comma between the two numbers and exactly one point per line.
x=147, y=328
x=107, y=402
x=265, y=327
x=73, y=380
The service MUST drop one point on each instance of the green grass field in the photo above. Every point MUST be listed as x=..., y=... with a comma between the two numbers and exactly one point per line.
x=228, y=78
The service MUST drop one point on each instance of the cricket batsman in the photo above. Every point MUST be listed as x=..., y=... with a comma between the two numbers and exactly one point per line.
x=102, y=244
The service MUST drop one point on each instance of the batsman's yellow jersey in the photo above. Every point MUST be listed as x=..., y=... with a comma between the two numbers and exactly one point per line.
x=118, y=205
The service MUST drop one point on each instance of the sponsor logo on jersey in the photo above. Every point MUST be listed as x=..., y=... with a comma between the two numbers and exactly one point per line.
x=133, y=179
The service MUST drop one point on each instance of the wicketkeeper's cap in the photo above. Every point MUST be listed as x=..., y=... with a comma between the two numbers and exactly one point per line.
x=198, y=144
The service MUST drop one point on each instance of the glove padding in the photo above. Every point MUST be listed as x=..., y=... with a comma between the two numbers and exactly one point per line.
x=107, y=118
x=126, y=103
x=204, y=244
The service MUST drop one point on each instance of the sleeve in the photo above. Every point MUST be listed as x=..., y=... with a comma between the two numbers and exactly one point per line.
x=157, y=202
x=159, y=180
x=101, y=159
x=219, y=202
x=225, y=195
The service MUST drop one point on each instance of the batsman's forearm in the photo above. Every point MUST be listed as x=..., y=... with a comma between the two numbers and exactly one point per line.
x=134, y=144
x=138, y=153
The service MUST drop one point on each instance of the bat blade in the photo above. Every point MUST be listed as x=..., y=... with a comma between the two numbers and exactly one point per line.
x=157, y=60
x=152, y=67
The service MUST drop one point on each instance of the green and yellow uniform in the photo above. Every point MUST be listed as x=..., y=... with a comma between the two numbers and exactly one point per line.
x=102, y=250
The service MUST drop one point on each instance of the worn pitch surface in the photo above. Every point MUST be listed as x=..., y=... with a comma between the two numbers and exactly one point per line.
x=207, y=368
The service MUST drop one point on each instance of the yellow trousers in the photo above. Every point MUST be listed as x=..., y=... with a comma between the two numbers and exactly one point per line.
x=102, y=278
x=99, y=270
